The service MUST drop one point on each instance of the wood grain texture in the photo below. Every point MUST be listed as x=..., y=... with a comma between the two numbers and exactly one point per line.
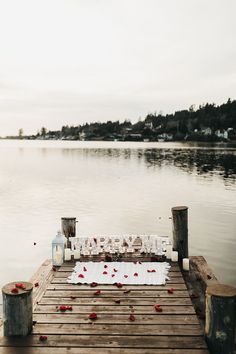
x=105, y=341
x=43, y=276
x=119, y=319
x=63, y=350
x=102, y=329
x=17, y=309
x=76, y=292
x=99, y=300
x=180, y=230
x=137, y=309
x=175, y=330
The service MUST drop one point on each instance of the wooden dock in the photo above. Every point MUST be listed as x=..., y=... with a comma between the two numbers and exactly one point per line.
x=175, y=330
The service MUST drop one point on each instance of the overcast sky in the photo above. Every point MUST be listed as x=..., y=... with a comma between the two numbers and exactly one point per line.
x=74, y=61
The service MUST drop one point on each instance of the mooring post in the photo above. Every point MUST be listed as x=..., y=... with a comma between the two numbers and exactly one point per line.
x=220, y=318
x=180, y=231
x=68, y=226
x=17, y=309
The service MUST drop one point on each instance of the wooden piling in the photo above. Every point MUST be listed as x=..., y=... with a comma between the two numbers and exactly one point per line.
x=220, y=318
x=180, y=231
x=17, y=309
x=68, y=227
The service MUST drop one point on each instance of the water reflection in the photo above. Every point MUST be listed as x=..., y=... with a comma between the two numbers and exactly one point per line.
x=205, y=162
x=195, y=161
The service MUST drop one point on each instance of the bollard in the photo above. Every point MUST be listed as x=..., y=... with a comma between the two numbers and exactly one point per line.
x=68, y=227
x=180, y=231
x=17, y=309
x=220, y=318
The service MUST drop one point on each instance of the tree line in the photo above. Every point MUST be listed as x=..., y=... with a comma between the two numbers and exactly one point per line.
x=189, y=124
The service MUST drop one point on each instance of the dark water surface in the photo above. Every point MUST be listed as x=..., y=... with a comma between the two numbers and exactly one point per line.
x=115, y=188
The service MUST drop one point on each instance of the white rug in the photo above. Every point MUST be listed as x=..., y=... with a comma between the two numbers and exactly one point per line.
x=138, y=273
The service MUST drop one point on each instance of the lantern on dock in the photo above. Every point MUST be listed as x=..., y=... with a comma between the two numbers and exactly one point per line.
x=58, y=244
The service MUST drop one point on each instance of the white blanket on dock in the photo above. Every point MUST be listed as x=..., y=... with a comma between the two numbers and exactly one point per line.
x=136, y=273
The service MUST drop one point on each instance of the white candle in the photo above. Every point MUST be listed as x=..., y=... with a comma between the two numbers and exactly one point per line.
x=185, y=264
x=67, y=254
x=168, y=251
x=76, y=254
x=174, y=256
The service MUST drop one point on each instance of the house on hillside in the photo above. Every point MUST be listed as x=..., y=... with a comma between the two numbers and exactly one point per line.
x=82, y=135
x=149, y=125
x=165, y=137
x=206, y=131
x=223, y=134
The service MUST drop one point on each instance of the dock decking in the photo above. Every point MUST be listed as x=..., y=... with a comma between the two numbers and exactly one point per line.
x=175, y=330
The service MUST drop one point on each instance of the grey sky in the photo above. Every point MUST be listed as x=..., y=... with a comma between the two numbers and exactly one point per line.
x=72, y=61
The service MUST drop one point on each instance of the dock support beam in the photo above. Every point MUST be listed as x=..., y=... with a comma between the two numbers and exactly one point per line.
x=220, y=318
x=68, y=227
x=180, y=231
x=17, y=309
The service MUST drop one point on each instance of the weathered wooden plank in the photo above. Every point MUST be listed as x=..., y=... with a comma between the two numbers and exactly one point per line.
x=43, y=276
x=145, y=292
x=138, y=309
x=197, y=280
x=108, y=341
x=111, y=302
x=58, y=350
x=119, y=319
x=114, y=294
x=170, y=330
x=140, y=287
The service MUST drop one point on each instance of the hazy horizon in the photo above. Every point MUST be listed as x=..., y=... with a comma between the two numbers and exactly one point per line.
x=67, y=62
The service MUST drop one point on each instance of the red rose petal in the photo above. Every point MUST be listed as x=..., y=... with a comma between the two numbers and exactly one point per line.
x=115, y=270
x=104, y=272
x=93, y=316
x=54, y=269
x=117, y=301
x=69, y=308
x=153, y=271
x=131, y=317
x=105, y=266
x=135, y=262
x=126, y=276
x=158, y=308
x=135, y=274
x=113, y=275
x=170, y=291
x=149, y=271
x=98, y=292
x=36, y=285
x=73, y=297
x=140, y=262
x=93, y=284
x=20, y=286
x=81, y=276
x=85, y=269
x=43, y=338
x=119, y=285
x=14, y=291
x=62, y=308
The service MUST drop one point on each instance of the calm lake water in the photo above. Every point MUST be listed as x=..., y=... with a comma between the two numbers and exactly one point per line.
x=115, y=188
